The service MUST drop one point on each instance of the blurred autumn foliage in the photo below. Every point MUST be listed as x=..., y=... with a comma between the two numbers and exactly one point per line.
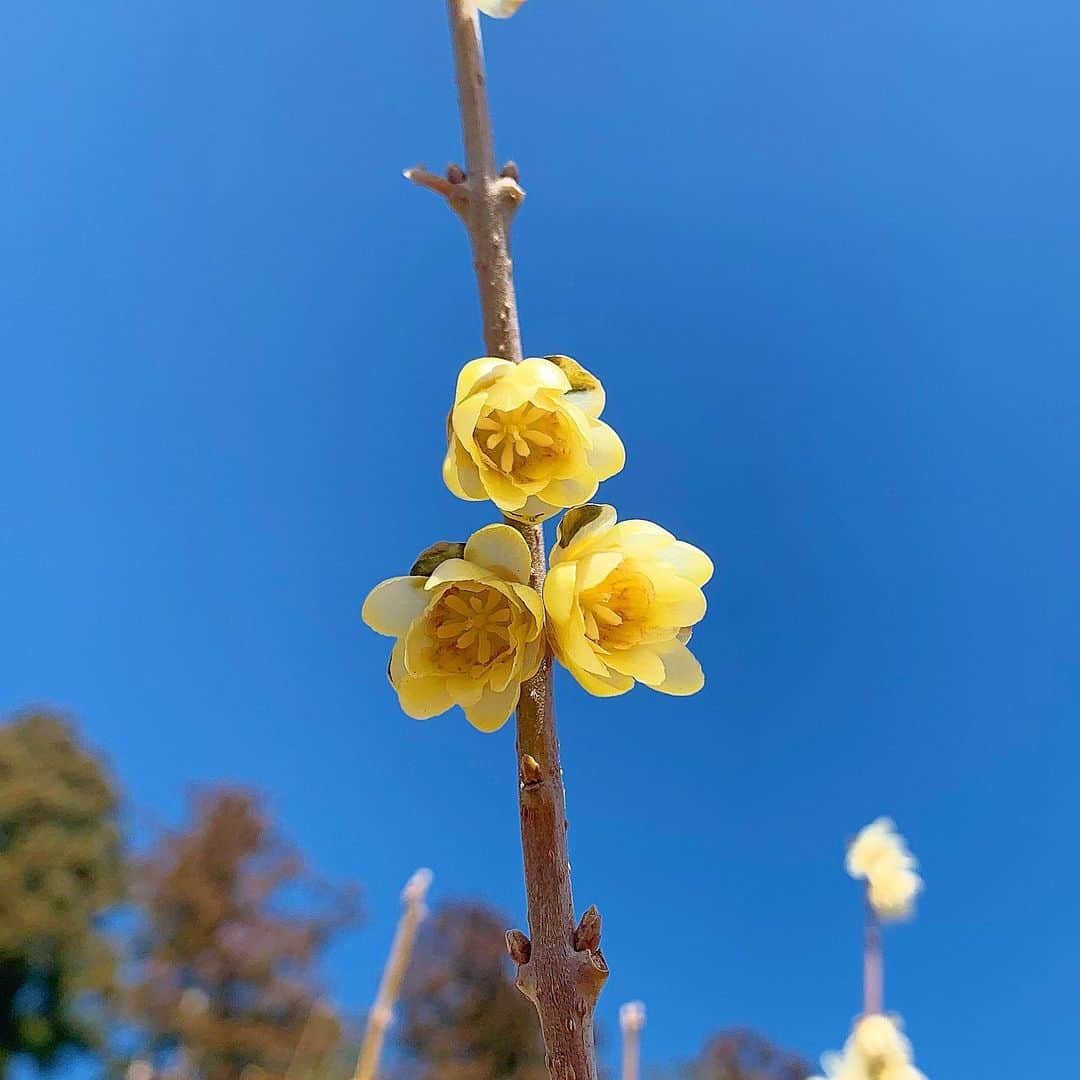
x=742, y=1054
x=61, y=870
x=232, y=926
x=210, y=968
x=461, y=1016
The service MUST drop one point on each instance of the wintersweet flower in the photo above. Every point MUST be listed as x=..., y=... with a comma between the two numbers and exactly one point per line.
x=499, y=9
x=880, y=856
x=620, y=601
x=528, y=436
x=876, y=1050
x=468, y=625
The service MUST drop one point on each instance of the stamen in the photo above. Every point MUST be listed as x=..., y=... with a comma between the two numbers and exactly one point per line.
x=539, y=437
x=606, y=615
x=476, y=603
x=450, y=630
x=456, y=603
x=506, y=462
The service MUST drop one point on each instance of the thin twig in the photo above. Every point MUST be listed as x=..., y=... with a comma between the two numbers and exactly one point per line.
x=382, y=1012
x=873, y=964
x=561, y=969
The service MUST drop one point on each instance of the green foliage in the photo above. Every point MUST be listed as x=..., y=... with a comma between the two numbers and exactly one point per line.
x=60, y=870
x=462, y=1017
x=233, y=927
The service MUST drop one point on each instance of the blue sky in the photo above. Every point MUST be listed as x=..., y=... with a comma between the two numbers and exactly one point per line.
x=825, y=258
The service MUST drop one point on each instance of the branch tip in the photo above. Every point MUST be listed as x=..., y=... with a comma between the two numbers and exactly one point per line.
x=510, y=171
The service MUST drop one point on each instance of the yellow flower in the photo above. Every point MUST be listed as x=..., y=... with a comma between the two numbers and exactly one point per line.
x=620, y=599
x=469, y=634
x=499, y=9
x=528, y=436
x=881, y=857
x=879, y=1038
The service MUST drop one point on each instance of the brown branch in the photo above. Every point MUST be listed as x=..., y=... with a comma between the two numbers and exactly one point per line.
x=631, y=1020
x=560, y=966
x=873, y=964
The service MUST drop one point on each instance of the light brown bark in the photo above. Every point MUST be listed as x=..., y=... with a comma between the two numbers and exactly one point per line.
x=560, y=966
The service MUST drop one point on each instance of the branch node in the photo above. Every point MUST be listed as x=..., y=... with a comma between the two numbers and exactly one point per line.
x=587, y=934
x=518, y=946
x=531, y=773
x=455, y=174
x=511, y=171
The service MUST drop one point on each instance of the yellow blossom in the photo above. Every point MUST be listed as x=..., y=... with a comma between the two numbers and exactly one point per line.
x=620, y=601
x=528, y=436
x=499, y=9
x=469, y=634
x=876, y=1050
x=881, y=857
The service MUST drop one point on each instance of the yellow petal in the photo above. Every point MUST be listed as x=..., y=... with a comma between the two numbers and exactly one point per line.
x=536, y=371
x=602, y=685
x=423, y=698
x=493, y=709
x=502, y=491
x=499, y=9
x=640, y=538
x=393, y=604
x=476, y=373
x=457, y=570
x=640, y=663
x=690, y=561
x=464, y=691
x=682, y=672
x=586, y=536
x=532, y=601
x=501, y=549
x=560, y=589
x=463, y=422
x=608, y=455
x=593, y=569
x=570, y=492
x=684, y=611
x=460, y=473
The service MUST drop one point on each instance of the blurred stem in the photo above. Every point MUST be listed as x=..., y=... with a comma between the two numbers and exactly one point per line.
x=873, y=964
x=631, y=1020
x=382, y=1011
x=561, y=969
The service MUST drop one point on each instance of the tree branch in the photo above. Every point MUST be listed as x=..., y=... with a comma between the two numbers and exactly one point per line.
x=560, y=966
x=382, y=1012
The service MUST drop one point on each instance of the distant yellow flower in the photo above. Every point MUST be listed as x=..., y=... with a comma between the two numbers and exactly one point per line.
x=469, y=634
x=499, y=9
x=881, y=857
x=528, y=436
x=876, y=1050
x=620, y=601
x=878, y=1038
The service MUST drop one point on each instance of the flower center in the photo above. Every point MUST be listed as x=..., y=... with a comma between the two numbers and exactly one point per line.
x=470, y=628
x=519, y=439
x=616, y=611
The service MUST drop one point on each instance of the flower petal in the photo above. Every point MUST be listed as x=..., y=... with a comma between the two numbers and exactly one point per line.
x=393, y=604
x=494, y=708
x=585, y=535
x=592, y=569
x=640, y=663
x=608, y=455
x=570, y=492
x=682, y=672
x=476, y=372
x=560, y=590
x=501, y=549
x=457, y=570
x=461, y=475
x=424, y=697
x=690, y=561
x=611, y=685
x=463, y=422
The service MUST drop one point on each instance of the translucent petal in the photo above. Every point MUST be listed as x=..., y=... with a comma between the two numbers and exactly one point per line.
x=608, y=455
x=640, y=663
x=475, y=373
x=501, y=549
x=499, y=9
x=423, y=698
x=560, y=591
x=682, y=672
x=494, y=708
x=457, y=570
x=393, y=604
x=690, y=561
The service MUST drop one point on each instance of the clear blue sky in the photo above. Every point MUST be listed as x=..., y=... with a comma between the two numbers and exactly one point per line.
x=825, y=256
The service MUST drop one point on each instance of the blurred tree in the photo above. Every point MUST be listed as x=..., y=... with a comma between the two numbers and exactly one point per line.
x=232, y=928
x=744, y=1055
x=462, y=1017
x=61, y=869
